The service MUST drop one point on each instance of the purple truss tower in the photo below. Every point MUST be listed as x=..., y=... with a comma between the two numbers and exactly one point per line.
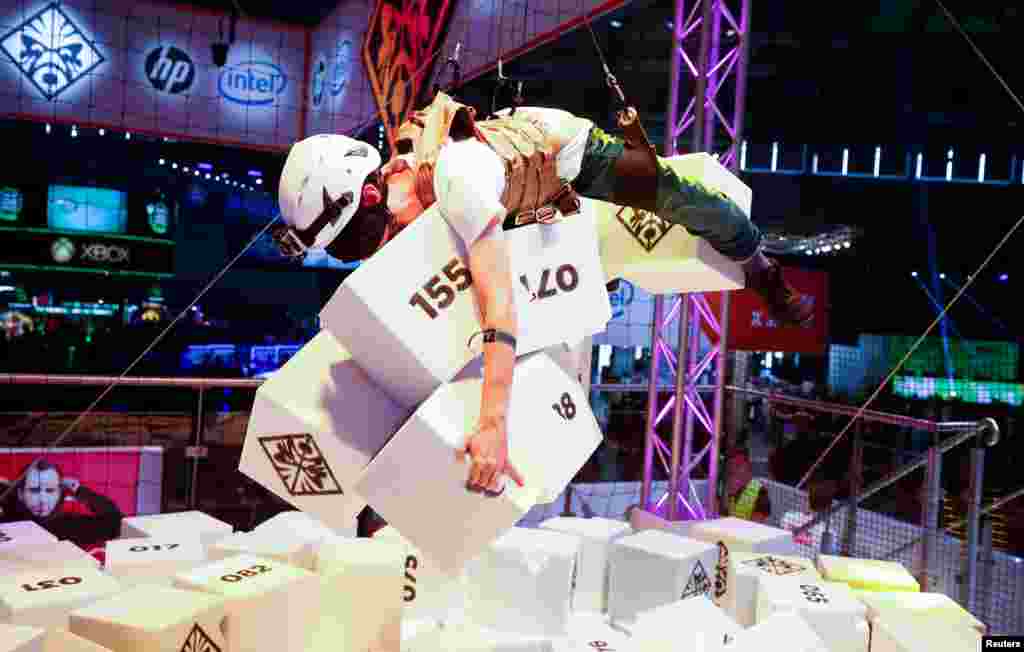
x=710, y=50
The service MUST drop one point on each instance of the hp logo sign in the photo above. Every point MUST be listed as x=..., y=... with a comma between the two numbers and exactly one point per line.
x=170, y=70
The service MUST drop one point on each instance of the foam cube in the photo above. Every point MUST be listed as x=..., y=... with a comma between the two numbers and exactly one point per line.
x=428, y=594
x=781, y=631
x=523, y=582
x=15, y=638
x=654, y=568
x=153, y=619
x=910, y=633
x=740, y=535
x=867, y=574
x=938, y=607
x=20, y=533
x=831, y=609
x=748, y=569
x=61, y=640
x=305, y=443
x=362, y=594
x=471, y=638
x=812, y=536
x=153, y=561
x=592, y=632
x=45, y=597
x=695, y=624
x=271, y=607
x=62, y=554
x=176, y=526
x=292, y=551
x=663, y=258
x=407, y=313
x=302, y=525
x=590, y=593
x=551, y=433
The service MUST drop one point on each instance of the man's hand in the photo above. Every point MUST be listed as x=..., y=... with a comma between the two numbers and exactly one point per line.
x=488, y=450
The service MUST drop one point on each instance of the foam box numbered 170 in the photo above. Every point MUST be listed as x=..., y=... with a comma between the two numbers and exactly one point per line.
x=551, y=434
x=407, y=313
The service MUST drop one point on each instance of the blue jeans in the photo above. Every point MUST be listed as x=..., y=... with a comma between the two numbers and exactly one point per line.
x=704, y=212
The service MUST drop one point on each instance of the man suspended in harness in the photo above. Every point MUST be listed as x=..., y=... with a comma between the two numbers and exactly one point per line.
x=746, y=497
x=510, y=170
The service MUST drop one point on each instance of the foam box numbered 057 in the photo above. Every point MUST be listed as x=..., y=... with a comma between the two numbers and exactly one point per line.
x=315, y=424
x=551, y=434
x=407, y=313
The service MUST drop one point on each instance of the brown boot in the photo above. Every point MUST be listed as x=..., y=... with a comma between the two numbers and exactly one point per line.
x=785, y=304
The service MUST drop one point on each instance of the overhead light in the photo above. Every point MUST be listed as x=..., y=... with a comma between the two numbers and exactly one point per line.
x=914, y=274
x=616, y=24
x=174, y=165
x=103, y=132
x=74, y=131
x=127, y=135
x=1004, y=277
x=846, y=245
x=942, y=276
x=163, y=162
x=47, y=127
x=185, y=168
x=259, y=182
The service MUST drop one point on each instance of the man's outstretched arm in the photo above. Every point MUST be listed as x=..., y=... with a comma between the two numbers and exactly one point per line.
x=492, y=280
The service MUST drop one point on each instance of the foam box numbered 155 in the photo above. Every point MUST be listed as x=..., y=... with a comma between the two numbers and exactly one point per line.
x=407, y=313
x=551, y=434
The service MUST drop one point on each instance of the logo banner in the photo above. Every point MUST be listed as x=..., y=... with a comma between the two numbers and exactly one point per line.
x=398, y=52
x=751, y=329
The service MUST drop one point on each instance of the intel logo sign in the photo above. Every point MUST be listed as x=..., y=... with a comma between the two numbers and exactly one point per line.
x=252, y=83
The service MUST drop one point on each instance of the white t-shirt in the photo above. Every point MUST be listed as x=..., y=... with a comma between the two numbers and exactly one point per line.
x=469, y=180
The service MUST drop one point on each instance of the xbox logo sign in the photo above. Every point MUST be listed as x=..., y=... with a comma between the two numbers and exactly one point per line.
x=170, y=70
x=62, y=250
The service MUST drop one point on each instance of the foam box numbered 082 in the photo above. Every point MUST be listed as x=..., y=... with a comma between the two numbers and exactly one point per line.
x=551, y=434
x=407, y=313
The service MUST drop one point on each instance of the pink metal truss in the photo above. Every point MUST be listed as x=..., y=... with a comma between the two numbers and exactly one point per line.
x=710, y=49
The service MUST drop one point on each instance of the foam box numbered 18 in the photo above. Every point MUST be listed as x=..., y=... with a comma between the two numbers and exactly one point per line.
x=270, y=607
x=663, y=258
x=590, y=593
x=305, y=443
x=654, y=568
x=362, y=594
x=151, y=618
x=746, y=572
x=20, y=533
x=176, y=525
x=45, y=597
x=695, y=624
x=831, y=609
x=523, y=582
x=153, y=560
x=407, y=313
x=551, y=434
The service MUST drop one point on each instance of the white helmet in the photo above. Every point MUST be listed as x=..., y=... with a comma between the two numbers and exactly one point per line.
x=322, y=188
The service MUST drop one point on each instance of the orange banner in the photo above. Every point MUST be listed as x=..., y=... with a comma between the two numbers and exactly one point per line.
x=399, y=53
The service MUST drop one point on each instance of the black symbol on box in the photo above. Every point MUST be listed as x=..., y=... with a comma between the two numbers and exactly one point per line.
x=775, y=566
x=300, y=465
x=698, y=584
x=646, y=228
x=198, y=641
x=722, y=573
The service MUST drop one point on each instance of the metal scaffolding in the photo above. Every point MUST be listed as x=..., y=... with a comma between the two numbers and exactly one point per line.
x=710, y=46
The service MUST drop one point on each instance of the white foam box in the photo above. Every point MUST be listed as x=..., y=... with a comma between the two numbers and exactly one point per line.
x=910, y=633
x=466, y=637
x=654, y=568
x=748, y=569
x=427, y=593
x=20, y=533
x=936, y=606
x=61, y=554
x=293, y=551
x=867, y=574
x=303, y=525
x=663, y=258
x=271, y=607
x=362, y=594
x=551, y=434
x=740, y=535
x=45, y=597
x=153, y=560
x=407, y=313
x=781, y=631
x=15, y=638
x=590, y=592
x=523, y=582
x=831, y=609
x=61, y=640
x=592, y=632
x=176, y=525
x=695, y=624
x=305, y=443
x=152, y=618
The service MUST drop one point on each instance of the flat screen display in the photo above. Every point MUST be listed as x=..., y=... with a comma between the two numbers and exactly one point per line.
x=86, y=209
